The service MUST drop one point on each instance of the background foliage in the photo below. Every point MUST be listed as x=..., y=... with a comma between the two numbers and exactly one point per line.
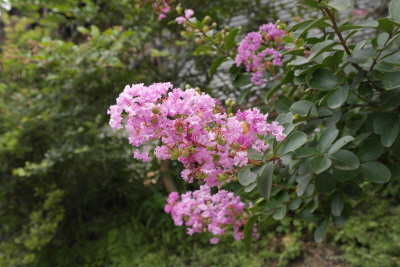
x=71, y=194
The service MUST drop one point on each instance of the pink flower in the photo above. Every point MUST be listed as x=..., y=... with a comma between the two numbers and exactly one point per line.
x=200, y=211
x=188, y=14
x=193, y=128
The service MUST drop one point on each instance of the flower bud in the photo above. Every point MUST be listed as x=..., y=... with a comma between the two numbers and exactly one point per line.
x=221, y=141
x=187, y=86
x=214, y=24
x=205, y=29
x=198, y=90
x=201, y=176
x=185, y=153
x=154, y=119
x=207, y=19
x=210, y=148
x=228, y=102
x=215, y=158
x=222, y=177
x=179, y=128
x=155, y=110
x=179, y=9
x=191, y=149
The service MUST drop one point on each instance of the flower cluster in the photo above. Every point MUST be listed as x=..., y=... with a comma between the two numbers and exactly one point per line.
x=201, y=211
x=188, y=14
x=254, y=58
x=193, y=128
x=162, y=7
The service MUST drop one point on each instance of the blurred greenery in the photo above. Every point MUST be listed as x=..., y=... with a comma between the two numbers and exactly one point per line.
x=70, y=192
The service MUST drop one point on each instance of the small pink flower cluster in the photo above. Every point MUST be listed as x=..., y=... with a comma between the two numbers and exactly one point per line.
x=193, y=128
x=257, y=61
x=163, y=8
x=202, y=211
x=188, y=14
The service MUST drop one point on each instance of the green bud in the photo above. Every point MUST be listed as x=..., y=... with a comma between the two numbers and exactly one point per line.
x=215, y=158
x=198, y=90
x=177, y=116
x=210, y=148
x=233, y=103
x=185, y=153
x=222, y=177
x=221, y=141
x=179, y=9
x=207, y=19
x=214, y=24
x=180, y=128
x=155, y=110
x=191, y=149
x=201, y=176
x=207, y=128
x=187, y=86
x=205, y=29
x=154, y=119
x=228, y=102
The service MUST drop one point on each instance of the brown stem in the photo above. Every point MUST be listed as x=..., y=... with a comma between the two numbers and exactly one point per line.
x=376, y=58
x=281, y=186
x=166, y=176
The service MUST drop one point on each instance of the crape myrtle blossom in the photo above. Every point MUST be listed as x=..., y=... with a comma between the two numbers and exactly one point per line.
x=254, y=57
x=202, y=212
x=188, y=14
x=193, y=128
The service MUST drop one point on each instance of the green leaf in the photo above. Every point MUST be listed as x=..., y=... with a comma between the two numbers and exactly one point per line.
x=294, y=141
x=391, y=80
x=324, y=183
x=376, y=172
x=359, y=25
x=243, y=95
x=94, y=31
x=344, y=160
x=204, y=49
x=82, y=30
x=216, y=64
x=295, y=204
x=340, y=143
x=320, y=232
x=337, y=203
x=312, y=24
x=246, y=177
x=320, y=164
x=353, y=191
x=280, y=213
x=241, y=80
x=386, y=24
x=303, y=152
x=390, y=133
x=299, y=61
x=362, y=56
x=303, y=107
x=383, y=120
x=230, y=39
x=370, y=150
x=394, y=10
x=319, y=48
x=338, y=97
x=282, y=105
x=341, y=4
x=390, y=99
x=248, y=232
x=308, y=216
x=344, y=175
x=382, y=39
x=327, y=137
x=264, y=181
x=323, y=79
